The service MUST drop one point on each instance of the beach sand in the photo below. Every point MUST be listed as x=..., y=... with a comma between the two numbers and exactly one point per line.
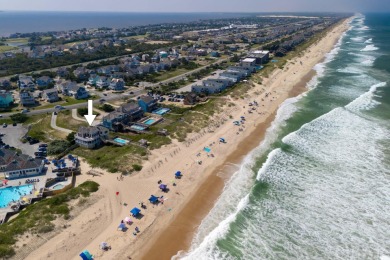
x=168, y=228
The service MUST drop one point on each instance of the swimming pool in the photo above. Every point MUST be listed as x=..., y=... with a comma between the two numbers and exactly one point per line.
x=121, y=141
x=57, y=186
x=10, y=194
x=161, y=111
x=150, y=121
x=137, y=127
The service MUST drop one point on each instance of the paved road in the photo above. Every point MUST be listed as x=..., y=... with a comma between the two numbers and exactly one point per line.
x=53, y=125
x=13, y=135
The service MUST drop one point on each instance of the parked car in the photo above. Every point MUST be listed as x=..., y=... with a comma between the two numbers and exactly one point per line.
x=14, y=124
x=43, y=145
x=1, y=116
x=59, y=107
x=33, y=141
x=26, y=110
x=5, y=125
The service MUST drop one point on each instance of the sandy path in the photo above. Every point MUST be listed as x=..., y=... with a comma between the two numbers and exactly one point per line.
x=99, y=222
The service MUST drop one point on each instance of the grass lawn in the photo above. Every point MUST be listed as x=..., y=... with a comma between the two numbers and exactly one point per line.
x=113, y=158
x=41, y=129
x=170, y=74
x=65, y=120
x=5, y=48
x=17, y=40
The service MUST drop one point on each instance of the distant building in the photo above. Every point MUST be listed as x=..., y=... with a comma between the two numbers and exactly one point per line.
x=14, y=165
x=91, y=137
x=248, y=62
x=44, y=81
x=78, y=92
x=261, y=56
x=117, y=84
x=6, y=99
x=133, y=110
x=26, y=98
x=50, y=95
x=102, y=82
x=5, y=84
x=26, y=83
x=147, y=103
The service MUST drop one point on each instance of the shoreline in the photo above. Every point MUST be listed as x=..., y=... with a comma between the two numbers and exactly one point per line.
x=191, y=199
x=189, y=220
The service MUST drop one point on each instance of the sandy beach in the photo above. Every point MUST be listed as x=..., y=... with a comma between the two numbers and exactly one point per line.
x=169, y=227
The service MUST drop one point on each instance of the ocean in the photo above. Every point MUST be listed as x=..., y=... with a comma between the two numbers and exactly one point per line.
x=27, y=22
x=318, y=186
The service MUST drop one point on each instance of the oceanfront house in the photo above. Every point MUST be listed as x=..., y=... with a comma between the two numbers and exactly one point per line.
x=247, y=70
x=78, y=92
x=211, y=86
x=261, y=56
x=232, y=75
x=5, y=84
x=6, y=99
x=91, y=137
x=248, y=62
x=44, y=81
x=115, y=121
x=27, y=98
x=190, y=99
x=102, y=82
x=26, y=83
x=117, y=84
x=147, y=103
x=132, y=109
x=14, y=165
x=50, y=95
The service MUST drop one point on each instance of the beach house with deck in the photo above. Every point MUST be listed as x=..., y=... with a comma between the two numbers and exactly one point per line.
x=6, y=99
x=147, y=103
x=91, y=137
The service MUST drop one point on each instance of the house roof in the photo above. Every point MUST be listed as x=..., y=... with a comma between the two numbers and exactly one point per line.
x=47, y=91
x=249, y=60
x=128, y=107
x=15, y=161
x=147, y=99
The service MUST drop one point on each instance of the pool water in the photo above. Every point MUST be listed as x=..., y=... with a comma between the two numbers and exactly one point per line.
x=137, y=127
x=10, y=194
x=150, y=121
x=121, y=141
x=57, y=187
x=161, y=111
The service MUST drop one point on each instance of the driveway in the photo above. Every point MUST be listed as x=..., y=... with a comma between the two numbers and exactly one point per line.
x=13, y=135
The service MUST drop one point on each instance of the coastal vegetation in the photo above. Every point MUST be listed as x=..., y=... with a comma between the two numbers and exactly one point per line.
x=38, y=217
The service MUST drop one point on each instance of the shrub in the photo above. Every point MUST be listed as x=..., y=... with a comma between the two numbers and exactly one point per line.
x=107, y=108
x=57, y=147
x=19, y=118
x=82, y=111
x=6, y=251
x=137, y=167
x=46, y=229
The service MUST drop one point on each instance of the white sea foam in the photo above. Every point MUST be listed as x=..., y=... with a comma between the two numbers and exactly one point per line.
x=370, y=47
x=357, y=39
x=368, y=41
x=366, y=100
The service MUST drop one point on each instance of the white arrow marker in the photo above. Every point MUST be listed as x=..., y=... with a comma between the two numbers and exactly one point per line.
x=90, y=118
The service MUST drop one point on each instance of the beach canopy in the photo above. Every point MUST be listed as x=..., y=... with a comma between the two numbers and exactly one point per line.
x=207, y=149
x=153, y=199
x=135, y=211
x=222, y=140
x=178, y=173
x=85, y=255
x=121, y=226
x=163, y=186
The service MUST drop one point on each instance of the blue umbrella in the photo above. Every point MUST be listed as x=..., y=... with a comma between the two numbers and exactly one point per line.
x=135, y=211
x=178, y=173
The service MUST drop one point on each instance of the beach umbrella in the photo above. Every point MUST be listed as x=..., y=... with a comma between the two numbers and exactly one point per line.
x=121, y=226
x=127, y=220
x=85, y=255
x=135, y=211
x=178, y=174
x=153, y=199
x=163, y=186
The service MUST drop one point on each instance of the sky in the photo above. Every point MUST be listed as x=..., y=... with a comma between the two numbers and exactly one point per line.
x=198, y=5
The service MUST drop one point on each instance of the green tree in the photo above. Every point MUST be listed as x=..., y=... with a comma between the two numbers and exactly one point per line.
x=82, y=111
x=70, y=137
x=19, y=118
x=107, y=108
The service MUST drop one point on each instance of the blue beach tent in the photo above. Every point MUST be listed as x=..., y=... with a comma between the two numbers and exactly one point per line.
x=153, y=199
x=178, y=174
x=135, y=211
x=85, y=255
x=163, y=186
